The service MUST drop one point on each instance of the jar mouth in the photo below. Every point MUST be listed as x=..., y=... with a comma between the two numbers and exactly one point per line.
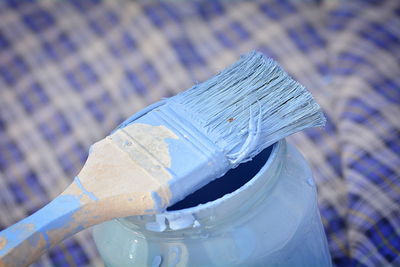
x=271, y=153
x=215, y=210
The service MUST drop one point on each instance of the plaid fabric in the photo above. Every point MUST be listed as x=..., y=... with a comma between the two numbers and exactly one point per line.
x=70, y=71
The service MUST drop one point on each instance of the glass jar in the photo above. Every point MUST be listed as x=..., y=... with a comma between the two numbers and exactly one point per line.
x=270, y=220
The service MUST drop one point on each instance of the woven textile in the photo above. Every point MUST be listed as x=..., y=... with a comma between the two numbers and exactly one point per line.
x=71, y=71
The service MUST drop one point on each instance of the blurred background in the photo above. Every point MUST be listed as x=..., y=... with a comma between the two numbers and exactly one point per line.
x=71, y=71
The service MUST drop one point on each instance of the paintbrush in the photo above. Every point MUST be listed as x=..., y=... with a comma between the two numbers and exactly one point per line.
x=169, y=150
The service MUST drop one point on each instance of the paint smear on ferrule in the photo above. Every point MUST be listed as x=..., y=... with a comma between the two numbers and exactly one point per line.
x=194, y=158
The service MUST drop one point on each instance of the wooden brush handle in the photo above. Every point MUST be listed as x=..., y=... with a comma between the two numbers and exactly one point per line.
x=24, y=242
x=110, y=185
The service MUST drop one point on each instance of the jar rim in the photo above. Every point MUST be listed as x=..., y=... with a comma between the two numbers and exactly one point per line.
x=212, y=204
x=187, y=217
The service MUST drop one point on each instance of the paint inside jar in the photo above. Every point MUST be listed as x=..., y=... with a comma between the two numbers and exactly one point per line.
x=231, y=181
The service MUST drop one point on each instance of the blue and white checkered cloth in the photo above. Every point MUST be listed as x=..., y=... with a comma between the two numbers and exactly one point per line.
x=70, y=71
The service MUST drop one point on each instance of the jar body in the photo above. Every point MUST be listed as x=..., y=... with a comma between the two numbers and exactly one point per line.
x=271, y=221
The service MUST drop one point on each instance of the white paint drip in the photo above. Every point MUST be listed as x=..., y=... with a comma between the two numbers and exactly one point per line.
x=180, y=221
x=196, y=224
x=175, y=221
x=159, y=225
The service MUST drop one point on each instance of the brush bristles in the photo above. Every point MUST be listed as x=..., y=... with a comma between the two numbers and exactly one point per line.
x=251, y=99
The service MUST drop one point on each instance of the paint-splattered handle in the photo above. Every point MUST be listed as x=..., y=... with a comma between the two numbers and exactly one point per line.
x=24, y=242
x=111, y=184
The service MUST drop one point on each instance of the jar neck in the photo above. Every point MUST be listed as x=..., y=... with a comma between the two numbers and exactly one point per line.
x=227, y=209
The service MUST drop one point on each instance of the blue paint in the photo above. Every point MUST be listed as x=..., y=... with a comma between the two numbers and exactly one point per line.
x=176, y=254
x=77, y=181
x=158, y=204
x=271, y=220
x=253, y=81
x=157, y=260
x=47, y=239
x=195, y=160
x=56, y=215
x=310, y=181
x=229, y=119
x=222, y=122
x=158, y=225
x=230, y=182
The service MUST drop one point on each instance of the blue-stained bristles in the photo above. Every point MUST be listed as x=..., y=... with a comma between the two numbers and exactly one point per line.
x=249, y=106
